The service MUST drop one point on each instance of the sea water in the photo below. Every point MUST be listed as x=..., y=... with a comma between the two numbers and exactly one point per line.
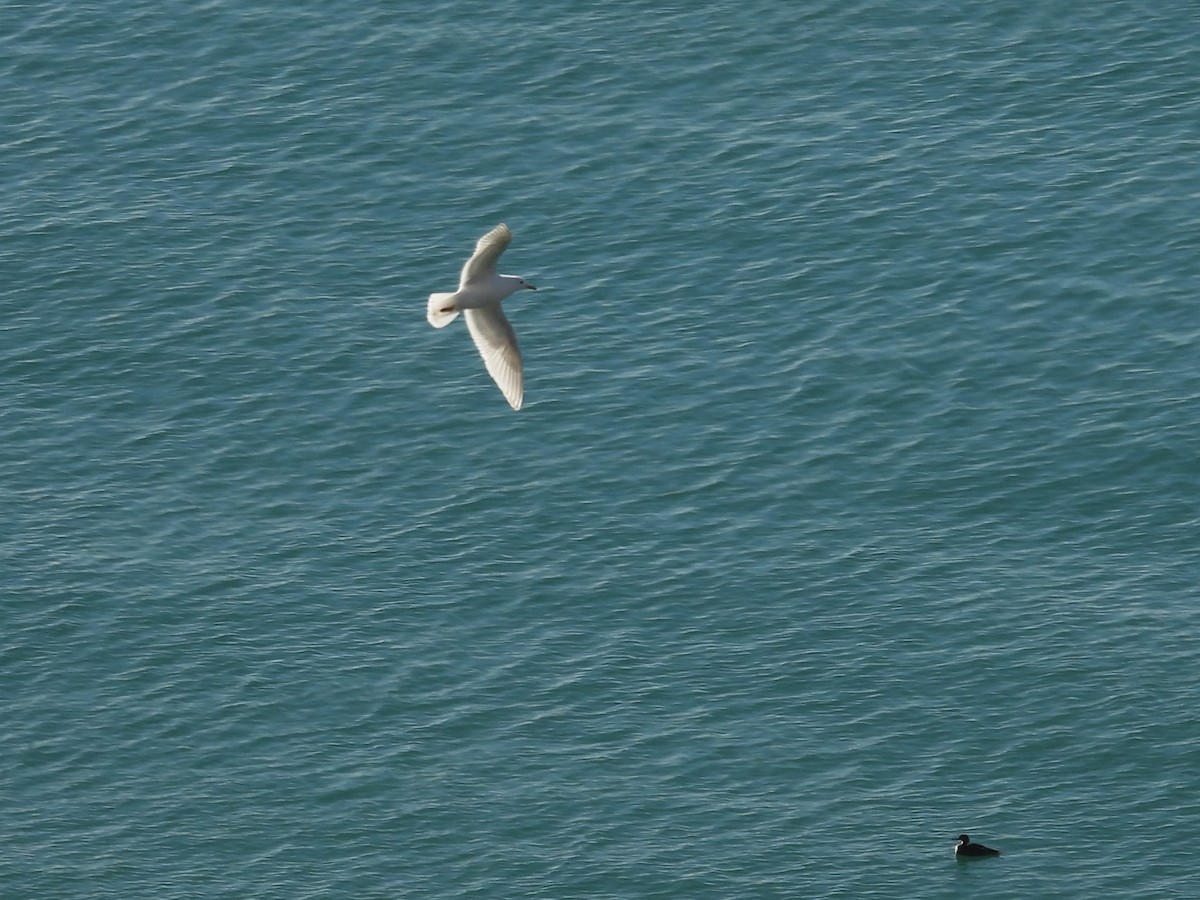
x=853, y=504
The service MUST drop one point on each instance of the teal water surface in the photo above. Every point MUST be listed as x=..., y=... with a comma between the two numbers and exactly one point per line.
x=852, y=506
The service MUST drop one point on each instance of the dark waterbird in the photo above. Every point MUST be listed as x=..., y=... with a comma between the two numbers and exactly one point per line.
x=966, y=848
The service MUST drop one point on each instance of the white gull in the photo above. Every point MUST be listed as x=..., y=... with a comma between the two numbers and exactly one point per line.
x=480, y=291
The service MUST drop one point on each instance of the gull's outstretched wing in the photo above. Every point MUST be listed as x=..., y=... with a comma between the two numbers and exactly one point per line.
x=488, y=248
x=498, y=346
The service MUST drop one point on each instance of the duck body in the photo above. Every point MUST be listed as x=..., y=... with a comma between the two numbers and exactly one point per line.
x=966, y=849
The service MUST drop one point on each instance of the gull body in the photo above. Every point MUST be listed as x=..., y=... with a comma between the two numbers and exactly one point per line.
x=480, y=292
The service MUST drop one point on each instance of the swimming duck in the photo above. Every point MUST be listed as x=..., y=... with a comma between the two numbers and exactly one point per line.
x=966, y=848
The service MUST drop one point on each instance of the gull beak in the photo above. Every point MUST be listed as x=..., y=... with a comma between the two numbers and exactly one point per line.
x=532, y=287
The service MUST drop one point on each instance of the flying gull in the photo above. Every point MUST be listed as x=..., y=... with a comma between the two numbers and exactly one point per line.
x=478, y=297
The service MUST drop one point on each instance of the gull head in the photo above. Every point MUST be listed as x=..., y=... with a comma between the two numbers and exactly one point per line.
x=510, y=284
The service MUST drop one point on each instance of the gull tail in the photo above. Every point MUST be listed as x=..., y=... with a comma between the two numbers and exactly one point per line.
x=442, y=310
